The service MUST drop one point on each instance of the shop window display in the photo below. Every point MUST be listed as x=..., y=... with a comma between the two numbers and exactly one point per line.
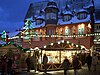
x=57, y=57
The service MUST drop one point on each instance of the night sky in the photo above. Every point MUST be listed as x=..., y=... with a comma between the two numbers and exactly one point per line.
x=12, y=13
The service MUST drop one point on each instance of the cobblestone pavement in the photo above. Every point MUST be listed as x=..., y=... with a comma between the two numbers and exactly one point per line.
x=83, y=71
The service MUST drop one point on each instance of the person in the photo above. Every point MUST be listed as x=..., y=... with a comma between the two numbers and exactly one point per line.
x=34, y=59
x=9, y=66
x=45, y=60
x=28, y=61
x=94, y=61
x=65, y=65
x=75, y=63
x=89, y=61
x=3, y=65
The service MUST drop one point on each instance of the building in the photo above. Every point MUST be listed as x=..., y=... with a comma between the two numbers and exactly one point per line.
x=73, y=19
x=97, y=30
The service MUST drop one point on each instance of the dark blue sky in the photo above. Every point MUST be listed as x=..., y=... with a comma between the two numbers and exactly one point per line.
x=12, y=13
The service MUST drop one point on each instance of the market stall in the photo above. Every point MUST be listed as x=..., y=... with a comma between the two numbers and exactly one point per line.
x=13, y=51
x=56, y=52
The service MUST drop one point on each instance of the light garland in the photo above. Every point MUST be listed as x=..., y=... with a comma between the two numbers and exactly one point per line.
x=68, y=36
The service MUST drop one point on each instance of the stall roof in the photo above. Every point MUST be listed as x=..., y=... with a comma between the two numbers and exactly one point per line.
x=15, y=45
x=62, y=45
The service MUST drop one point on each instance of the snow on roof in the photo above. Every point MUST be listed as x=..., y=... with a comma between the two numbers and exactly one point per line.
x=12, y=34
x=2, y=42
x=51, y=0
x=41, y=17
x=52, y=6
x=98, y=21
x=74, y=20
x=81, y=10
x=31, y=18
x=39, y=25
x=67, y=12
x=89, y=5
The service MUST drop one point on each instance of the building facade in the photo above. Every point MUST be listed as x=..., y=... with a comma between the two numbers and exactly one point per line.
x=54, y=21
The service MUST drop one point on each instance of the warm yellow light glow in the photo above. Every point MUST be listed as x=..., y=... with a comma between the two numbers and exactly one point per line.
x=89, y=26
x=76, y=45
x=81, y=25
x=72, y=44
x=36, y=48
x=51, y=44
x=98, y=39
x=58, y=42
x=27, y=51
x=62, y=41
x=66, y=27
x=61, y=29
x=44, y=46
x=31, y=48
x=67, y=42
x=94, y=40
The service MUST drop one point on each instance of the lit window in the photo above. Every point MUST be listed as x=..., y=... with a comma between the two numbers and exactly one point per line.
x=67, y=31
x=81, y=29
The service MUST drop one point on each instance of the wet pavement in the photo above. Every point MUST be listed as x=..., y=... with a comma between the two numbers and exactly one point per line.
x=83, y=71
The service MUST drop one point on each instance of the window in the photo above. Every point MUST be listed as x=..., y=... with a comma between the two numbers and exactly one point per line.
x=81, y=29
x=39, y=22
x=51, y=32
x=67, y=31
x=99, y=27
x=67, y=18
x=51, y=16
x=81, y=16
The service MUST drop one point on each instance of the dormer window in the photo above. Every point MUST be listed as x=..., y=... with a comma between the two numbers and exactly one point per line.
x=38, y=22
x=51, y=16
x=82, y=15
x=67, y=18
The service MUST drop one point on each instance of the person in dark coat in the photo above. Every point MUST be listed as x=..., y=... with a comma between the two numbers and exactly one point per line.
x=75, y=63
x=28, y=62
x=65, y=65
x=9, y=66
x=89, y=61
x=3, y=65
x=45, y=60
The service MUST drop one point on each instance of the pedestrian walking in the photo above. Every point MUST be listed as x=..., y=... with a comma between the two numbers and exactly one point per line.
x=65, y=65
x=34, y=61
x=89, y=61
x=3, y=65
x=75, y=63
x=28, y=61
x=45, y=60
x=94, y=61
x=9, y=66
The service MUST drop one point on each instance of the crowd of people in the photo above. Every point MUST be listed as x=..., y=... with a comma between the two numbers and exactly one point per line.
x=7, y=63
x=76, y=62
x=34, y=60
